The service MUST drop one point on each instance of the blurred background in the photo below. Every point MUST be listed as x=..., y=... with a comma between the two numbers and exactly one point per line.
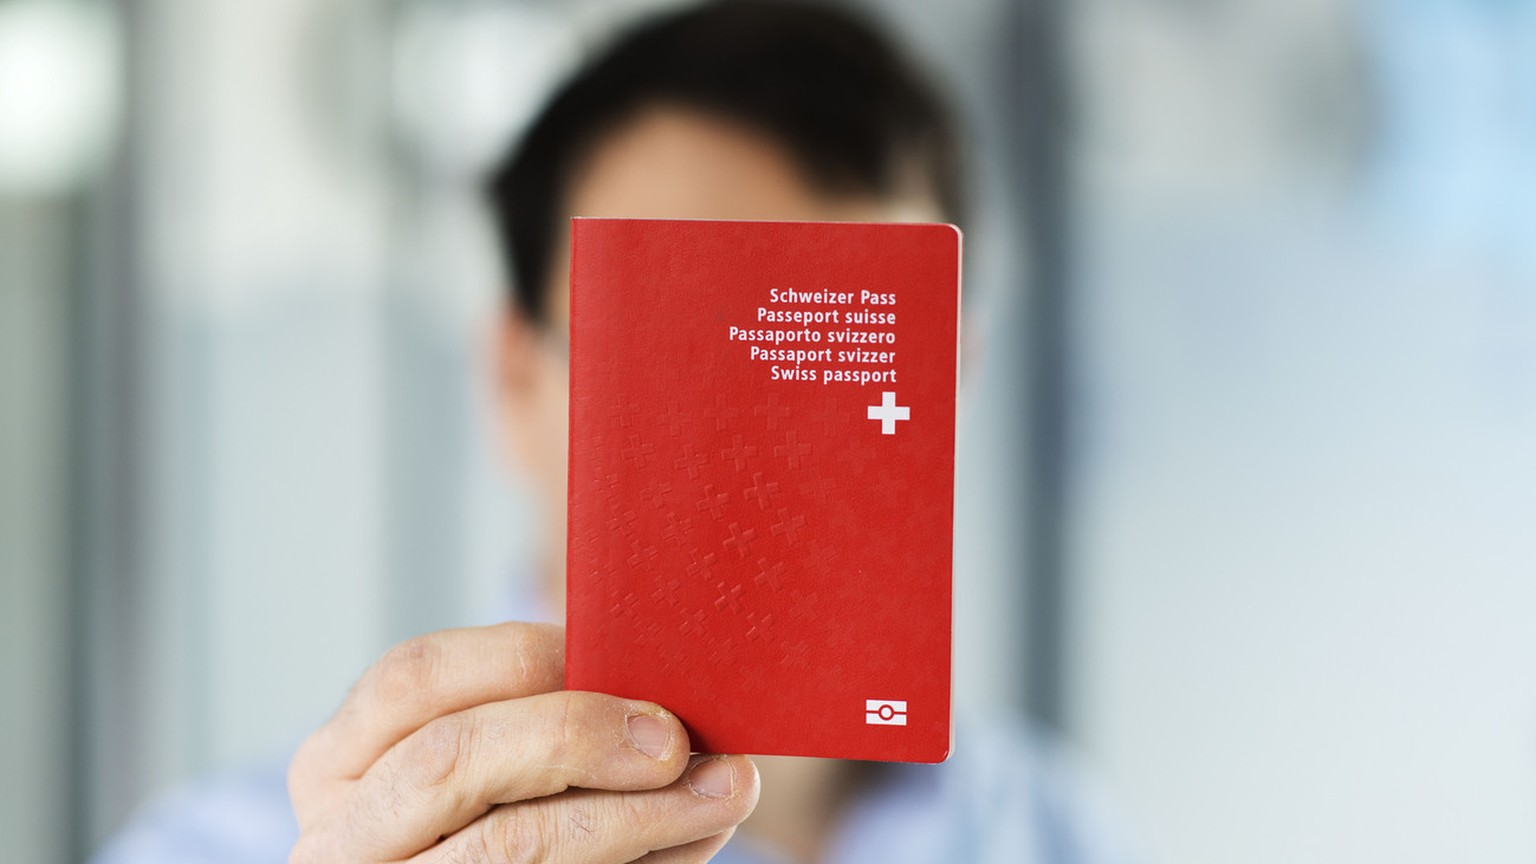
x=1247, y=503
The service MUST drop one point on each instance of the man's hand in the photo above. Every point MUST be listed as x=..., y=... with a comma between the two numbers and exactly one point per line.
x=460, y=747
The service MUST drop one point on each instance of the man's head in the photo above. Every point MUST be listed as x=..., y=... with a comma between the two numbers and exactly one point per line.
x=744, y=109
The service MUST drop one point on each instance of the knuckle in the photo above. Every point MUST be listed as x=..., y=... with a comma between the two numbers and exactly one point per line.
x=561, y=724
x=580, y=825
x=539, y=650
x=407, y=673
x=439, y=752
x=570, y=739
x=632, y=814
x=520, y=836
x=569, y=721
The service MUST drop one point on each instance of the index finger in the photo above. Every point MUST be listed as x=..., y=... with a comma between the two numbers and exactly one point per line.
x=429, y=677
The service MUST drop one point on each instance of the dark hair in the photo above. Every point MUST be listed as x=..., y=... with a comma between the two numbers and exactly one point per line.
x=846, y=105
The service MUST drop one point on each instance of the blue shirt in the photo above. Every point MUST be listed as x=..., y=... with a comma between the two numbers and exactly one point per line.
x=1001, y=797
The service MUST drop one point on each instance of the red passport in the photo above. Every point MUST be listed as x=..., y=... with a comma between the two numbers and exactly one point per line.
x=762, y=439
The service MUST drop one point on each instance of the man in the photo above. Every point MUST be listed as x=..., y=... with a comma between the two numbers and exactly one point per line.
x=460, y=746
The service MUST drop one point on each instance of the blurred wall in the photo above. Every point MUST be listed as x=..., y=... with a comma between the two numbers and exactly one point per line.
x=1303, y=539
x=34, y=612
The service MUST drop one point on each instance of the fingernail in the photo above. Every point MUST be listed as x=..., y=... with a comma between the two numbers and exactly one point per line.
x=714, y=778
x=650, y=734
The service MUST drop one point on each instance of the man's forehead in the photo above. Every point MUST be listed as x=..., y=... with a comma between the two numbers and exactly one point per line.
x=672, y=162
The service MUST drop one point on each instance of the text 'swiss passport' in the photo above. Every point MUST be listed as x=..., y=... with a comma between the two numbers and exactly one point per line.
x=762, y=479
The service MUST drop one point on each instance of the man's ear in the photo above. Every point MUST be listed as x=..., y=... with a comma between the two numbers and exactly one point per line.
x=516, y=357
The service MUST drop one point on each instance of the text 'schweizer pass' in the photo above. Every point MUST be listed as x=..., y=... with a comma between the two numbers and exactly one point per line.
x=762, y=480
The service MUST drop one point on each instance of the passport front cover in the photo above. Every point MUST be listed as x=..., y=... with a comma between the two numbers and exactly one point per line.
x=761, y=488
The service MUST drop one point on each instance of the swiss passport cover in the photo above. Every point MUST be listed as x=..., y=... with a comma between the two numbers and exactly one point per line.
x=762, y=480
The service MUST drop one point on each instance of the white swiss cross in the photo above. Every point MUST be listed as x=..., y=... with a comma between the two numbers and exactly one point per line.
x=888, y=412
